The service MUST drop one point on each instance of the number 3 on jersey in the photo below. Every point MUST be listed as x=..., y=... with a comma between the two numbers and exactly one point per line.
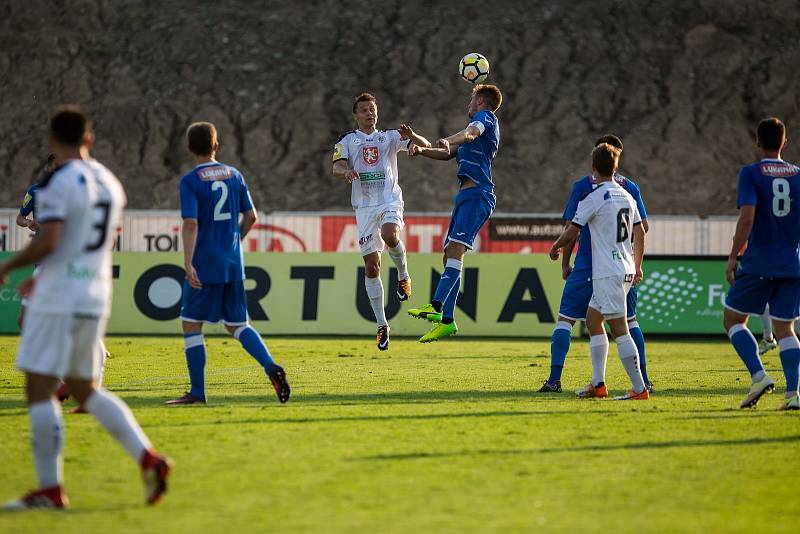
x=781, y=201
x=219, y=214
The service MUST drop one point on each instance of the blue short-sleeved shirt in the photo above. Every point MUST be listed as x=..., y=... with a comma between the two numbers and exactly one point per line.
x=475, y=158
x=773, y=248
x=215, y=194
x=581, y=188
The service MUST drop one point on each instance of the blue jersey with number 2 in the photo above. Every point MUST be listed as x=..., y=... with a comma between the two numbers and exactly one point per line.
x=215, y=194
x=773, y=248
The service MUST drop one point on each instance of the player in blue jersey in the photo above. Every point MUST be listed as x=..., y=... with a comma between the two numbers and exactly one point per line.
x=578, y=288
x=474, y=148
x=212, y=196
x=769, y=223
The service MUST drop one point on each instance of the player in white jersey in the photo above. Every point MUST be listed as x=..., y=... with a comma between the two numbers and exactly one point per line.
x=612, y=217
x=79, y=206
x=367, y=159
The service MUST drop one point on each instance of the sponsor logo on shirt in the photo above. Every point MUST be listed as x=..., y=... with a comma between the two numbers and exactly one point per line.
x=370, y=155
x=371, y=176
x=618, y=255
x=364, y=240
x=778, y=169
x=214, y=173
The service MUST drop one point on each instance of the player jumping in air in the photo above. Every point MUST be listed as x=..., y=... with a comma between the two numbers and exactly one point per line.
x=474, y=148
x=212, y=197
x=367, y=159
x=79, y=207
x=769, y=274
x=578, y=288
x=611, y=214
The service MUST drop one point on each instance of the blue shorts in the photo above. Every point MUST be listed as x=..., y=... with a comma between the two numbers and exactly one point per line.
x=214, y=303
x=472, y=210
x=750, y=294
x=577, y=294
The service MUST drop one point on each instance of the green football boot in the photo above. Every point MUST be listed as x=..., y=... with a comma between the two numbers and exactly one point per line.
x=440, y=331
x=426, y=312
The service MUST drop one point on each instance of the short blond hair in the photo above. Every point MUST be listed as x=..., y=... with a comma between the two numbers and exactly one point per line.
x=490, y=94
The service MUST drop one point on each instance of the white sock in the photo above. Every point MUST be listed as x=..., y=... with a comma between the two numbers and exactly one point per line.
x=398, y=255
x=766, y=326
x=47, y=441
x=598, y=347
x=375, y=293
x=102, y=364
x=118, y=420
x=629, y=356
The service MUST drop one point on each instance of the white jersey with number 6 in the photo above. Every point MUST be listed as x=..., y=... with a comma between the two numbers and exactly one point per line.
x=76, y=277
x=611, y=214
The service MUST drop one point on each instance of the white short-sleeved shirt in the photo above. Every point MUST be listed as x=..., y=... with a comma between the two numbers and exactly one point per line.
x=76, y=277
x=610, y=212
x=374, y=157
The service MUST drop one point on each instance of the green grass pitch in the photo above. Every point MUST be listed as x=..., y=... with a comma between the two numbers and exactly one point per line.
x=447, y=437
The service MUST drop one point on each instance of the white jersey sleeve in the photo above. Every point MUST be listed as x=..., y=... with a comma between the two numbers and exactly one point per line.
x=586, y=210
x=52, y=201
x=397, y=140
x=341, y=148
x=637, y=217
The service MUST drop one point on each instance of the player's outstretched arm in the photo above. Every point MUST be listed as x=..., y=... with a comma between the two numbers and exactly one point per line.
x=747, y=215
x=41, y=246
x=342, y=171
x=567, y=238
x=442, y=154
x=638, y=251
x=406, y=132
x=467, y=135
x=249, y=218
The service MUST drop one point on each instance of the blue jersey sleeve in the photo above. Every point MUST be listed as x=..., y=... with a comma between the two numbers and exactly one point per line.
x=245, y=201
x=27, y=202
x=572, y=202
x=636, y=193
x=747, y=189
x=188, y=201
x=483, y=120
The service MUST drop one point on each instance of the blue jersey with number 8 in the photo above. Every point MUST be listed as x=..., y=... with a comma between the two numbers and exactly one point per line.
x=215, y=194
x=773, y=248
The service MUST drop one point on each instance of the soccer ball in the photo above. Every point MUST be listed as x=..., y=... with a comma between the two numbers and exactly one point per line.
x=474, y=67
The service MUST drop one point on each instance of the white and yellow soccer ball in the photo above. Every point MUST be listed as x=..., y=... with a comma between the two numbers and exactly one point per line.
x=474, y=67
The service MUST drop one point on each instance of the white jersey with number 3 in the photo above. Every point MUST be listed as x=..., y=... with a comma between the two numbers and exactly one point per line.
x=611, y=214
x=374, y=157
x=76, y=277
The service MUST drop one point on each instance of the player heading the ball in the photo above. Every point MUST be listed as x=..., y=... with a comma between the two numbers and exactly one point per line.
x=613, y=218
x=213, y=196
x=366, y=158
x=474, y=148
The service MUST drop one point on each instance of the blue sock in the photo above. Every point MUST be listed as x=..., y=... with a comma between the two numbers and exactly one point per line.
x=254, y=345
x=746, y=347
x=790, y=360
x=449, y=285
x=195, y=349
x=559, y=347
x=638, y=339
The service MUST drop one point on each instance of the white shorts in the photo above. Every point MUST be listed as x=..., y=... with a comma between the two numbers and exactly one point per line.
x=370, y=221
x=61, y=345
x=610, y=295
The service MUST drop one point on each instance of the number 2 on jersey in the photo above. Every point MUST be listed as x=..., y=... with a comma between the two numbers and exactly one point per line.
x=781, y=202
x=220, y=215
x=623, y=224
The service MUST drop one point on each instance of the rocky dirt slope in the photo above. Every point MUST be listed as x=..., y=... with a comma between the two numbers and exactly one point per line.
x=683, y=82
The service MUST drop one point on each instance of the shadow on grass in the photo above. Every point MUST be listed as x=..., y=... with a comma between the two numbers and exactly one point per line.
x=582, y=449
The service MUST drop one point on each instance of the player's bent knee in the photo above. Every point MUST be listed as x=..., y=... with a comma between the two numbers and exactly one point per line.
x=80, y=389
x=190, y=327
x=731, y=318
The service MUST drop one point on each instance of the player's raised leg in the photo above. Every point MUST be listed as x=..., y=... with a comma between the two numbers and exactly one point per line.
x=390, y=233
x=374, y=287
x=745, y=345
x=446, y=295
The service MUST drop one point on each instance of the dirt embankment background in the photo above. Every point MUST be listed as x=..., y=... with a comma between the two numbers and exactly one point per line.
x=683, y=83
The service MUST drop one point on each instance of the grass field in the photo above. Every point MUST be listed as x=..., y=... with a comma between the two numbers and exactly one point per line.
x=446, y=438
